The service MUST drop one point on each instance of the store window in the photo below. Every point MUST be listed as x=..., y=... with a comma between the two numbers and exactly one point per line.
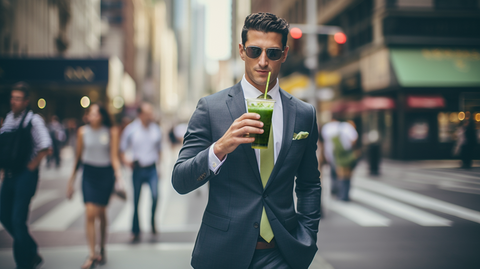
x=418, y=130
x=449, y=123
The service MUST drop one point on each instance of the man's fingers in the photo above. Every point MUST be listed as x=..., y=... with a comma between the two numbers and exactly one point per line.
x=253, y=116
x=252, y=123
x=248, y=130
x=245, y=140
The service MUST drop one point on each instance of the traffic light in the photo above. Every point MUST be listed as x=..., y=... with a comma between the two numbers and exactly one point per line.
x=340, y=38
x=296, y=33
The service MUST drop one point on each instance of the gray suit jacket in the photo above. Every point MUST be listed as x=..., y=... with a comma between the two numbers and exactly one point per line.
x=230, y=225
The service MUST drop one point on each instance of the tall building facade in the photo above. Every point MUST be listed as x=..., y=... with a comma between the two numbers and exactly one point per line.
x=54, y=45
x=64, y=28
x=408, y=74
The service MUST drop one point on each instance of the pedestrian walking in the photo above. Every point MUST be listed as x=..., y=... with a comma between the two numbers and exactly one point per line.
x=330, y=130
x=250, y=220
x=172, y=138
x=345, y=157
x=24, y=142
x=58, y=136
x=97, y=151
x=143, y=138
x=467, y=140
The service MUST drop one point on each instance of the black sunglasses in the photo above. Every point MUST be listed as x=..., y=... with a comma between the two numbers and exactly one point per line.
x=255, y=52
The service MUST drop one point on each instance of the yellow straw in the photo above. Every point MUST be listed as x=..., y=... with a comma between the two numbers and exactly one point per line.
x=266, y=89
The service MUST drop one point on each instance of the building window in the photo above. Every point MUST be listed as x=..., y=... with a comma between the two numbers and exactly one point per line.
x=457, y=4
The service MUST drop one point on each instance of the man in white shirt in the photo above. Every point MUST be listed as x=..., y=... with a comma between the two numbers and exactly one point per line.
x=21, y=177
x=251, y=220
x=348, y=136
x=143, y=138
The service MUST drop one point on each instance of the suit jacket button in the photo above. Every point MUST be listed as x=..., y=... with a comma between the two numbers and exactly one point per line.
x=265, y=195
x=255, y=225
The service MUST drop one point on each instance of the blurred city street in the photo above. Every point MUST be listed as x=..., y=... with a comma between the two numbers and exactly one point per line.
x=423, y=214
x=394, y=86
x=58, y=224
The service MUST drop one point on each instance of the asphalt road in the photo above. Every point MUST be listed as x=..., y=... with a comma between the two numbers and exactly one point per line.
x=416, y=215
x=425, y=215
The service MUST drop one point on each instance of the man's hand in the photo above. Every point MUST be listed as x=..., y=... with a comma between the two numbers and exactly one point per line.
x=238, y=133
x=33, y=164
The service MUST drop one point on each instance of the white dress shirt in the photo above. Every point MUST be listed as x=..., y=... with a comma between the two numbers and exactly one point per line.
x=41, y=137
x=144, y=142
x=250, y=92
x=347, y=134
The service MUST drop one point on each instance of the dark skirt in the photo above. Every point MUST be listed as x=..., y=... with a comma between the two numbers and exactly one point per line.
x=97, y=184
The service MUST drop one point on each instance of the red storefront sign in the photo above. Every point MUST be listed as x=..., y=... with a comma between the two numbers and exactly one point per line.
x=425, y=101
x=378, y=103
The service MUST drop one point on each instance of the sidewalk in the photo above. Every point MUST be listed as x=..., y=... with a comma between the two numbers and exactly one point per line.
x=124, y=256
x=168, y=255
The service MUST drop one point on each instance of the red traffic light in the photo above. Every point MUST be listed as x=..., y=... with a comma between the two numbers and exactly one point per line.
x=296, y=33
x=340, y=38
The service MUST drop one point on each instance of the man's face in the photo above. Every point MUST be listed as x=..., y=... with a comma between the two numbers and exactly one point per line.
x=256, y=70
x=146, y=116
x=18, y=103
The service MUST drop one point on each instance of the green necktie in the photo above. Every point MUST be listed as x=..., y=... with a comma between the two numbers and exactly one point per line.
x=266, y=167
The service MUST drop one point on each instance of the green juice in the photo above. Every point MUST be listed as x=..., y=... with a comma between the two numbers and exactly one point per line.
x=261, y=140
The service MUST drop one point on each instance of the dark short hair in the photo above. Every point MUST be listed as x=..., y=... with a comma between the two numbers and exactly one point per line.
x=140, y=107
x=22, y=87
x=265, y=22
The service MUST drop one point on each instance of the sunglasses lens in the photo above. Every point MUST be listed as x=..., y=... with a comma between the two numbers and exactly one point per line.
x=253, y=52
x=274, y=54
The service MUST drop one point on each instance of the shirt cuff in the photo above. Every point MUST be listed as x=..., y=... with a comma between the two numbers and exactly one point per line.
x=213, y=162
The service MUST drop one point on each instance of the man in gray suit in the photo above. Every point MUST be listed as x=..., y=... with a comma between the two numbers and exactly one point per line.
x=250, y=220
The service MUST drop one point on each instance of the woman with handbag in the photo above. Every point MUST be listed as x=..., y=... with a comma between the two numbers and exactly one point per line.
x=97, y=150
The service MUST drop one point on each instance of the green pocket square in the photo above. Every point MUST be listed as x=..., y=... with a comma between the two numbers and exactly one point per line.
x=300, y=135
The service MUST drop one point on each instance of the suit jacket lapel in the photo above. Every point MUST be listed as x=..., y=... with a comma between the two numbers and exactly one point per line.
x=236, y=106
x=289, y=114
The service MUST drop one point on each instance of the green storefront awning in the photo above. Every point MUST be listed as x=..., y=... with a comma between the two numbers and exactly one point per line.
x=436, y=67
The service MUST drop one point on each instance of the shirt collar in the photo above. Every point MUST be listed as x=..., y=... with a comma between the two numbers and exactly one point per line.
x=249, y=91
x=20, y=115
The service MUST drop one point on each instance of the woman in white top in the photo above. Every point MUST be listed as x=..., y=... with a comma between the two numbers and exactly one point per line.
x=97, y=150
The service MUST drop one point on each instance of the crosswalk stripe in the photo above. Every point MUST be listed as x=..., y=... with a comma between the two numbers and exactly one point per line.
x=435, y=179
x=399, y=209
x=41, y=197
x=417, y=199
x=453, y=186
x=123, y=222
x=145, y=208
x=60, y=217
x=358, y=214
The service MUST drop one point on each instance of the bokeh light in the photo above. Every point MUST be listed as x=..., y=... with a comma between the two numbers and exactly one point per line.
x=41, y=103
x=296, y=33
x=461, y=115
x=453, y=117
x=340, y=38
x=118, y=102
x=85, y=102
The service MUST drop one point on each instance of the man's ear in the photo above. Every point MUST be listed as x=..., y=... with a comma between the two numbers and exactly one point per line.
x=241, y=51
x=285, y=54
